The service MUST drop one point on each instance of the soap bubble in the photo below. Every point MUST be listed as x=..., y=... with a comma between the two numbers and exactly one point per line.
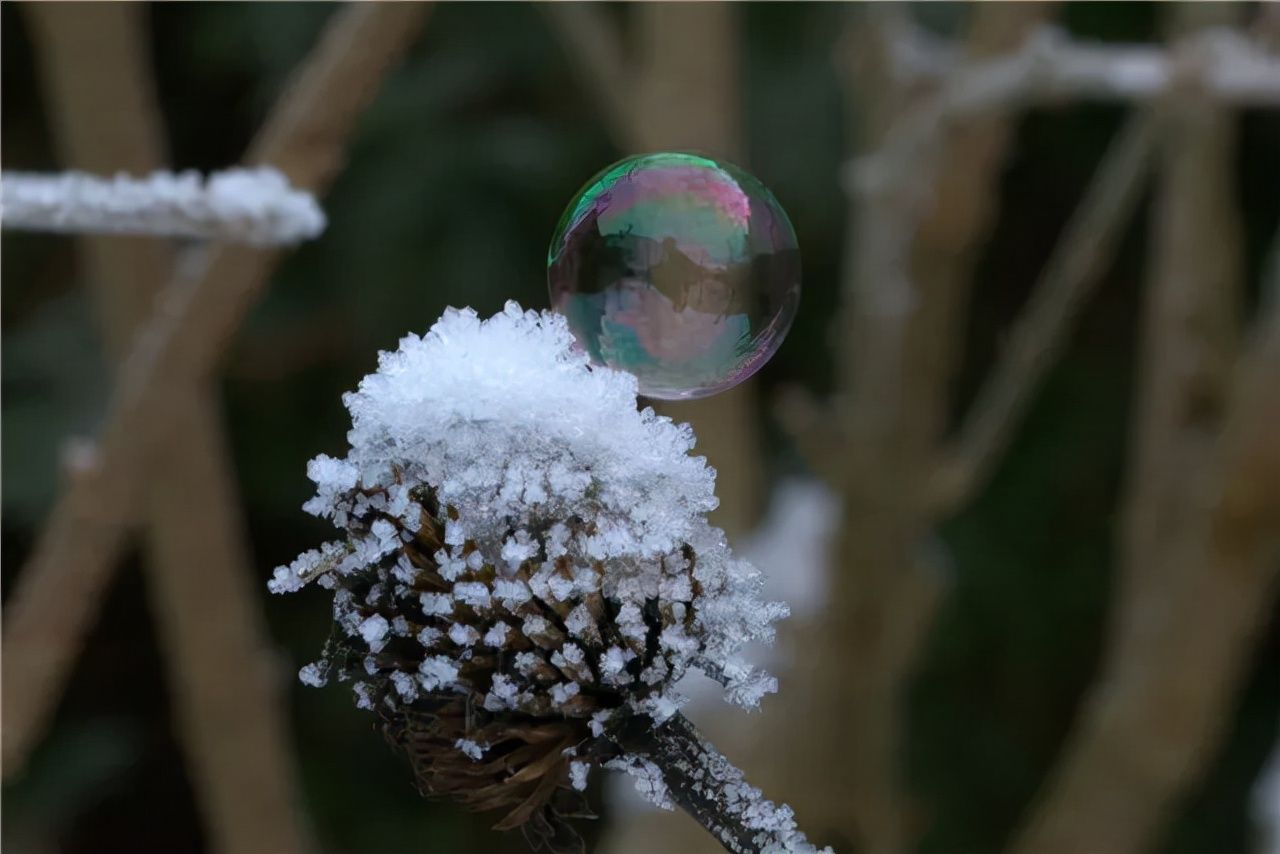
x=680, y=269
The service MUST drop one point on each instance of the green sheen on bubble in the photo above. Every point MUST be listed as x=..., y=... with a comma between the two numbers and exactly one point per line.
x=680, y=269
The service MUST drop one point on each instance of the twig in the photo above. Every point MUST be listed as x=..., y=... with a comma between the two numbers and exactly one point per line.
x=906, y=281
x=254, y=206
x=810, y=425
x=701, y=781
x=595, y=47
x=228, y=710
x=1198, y=563
x=1040, y=332
x=49, y=614
x=226, y=695
x=1160, y=707
x=198, y=312
x=675, y=84
x=1220, y=64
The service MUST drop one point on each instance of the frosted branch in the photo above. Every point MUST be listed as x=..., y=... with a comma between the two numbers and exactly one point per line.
x=701, y=781
x=1049, y=68
x=254, y=206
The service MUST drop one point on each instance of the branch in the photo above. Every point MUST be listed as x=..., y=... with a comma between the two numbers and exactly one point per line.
x=213, y=638
x=1219, y=64
x=1040, y=333
x=254, y=206
x=695, y=776
x=99, y=116
x=1158, y=711
x=232, y=726
x=57, y=591
x=1201, y=539
x=907, y=277
x=595, y=49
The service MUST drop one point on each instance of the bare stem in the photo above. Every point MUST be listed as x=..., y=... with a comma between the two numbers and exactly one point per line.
x=1042, y=330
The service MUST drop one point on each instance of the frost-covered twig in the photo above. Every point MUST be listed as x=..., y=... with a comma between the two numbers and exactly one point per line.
x=55, y=598
x=1220, y=65
x=254, y=206
x=524, y=574
x=674, y=763
x=1234, y=67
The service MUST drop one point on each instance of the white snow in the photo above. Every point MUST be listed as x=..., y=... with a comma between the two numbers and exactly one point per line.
x=579, y=622
x=312, y=675
x=436, y=672
x=562, y=692
x=473, y=593
x=511, y=593
x=471, y=749
x=578, y=775
x=406, y=686
x=463, y=635
x=255, y=206
x=647, y=777
x=497, y=634
x=436, y=603
x=374, y=631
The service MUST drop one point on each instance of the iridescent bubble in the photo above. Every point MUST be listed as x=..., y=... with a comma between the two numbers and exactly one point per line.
x=679, y=269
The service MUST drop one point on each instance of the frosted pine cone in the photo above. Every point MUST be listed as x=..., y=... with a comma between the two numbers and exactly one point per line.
x=527, y=570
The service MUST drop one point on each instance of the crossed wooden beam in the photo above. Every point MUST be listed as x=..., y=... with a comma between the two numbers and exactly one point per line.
x=161, y=462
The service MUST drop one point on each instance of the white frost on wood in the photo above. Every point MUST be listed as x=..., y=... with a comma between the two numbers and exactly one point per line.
x=738, y=804
x=471, y=749
x=1219, y=64
x=312, y=675
x=647, y=777
x=374, y=631
x=578, y=775
x=254, y=206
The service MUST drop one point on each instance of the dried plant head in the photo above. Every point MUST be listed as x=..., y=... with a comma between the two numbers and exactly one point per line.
x=526, y=569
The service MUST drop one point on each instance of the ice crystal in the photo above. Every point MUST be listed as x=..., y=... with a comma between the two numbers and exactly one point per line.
x=647, y=777
x=578, y=775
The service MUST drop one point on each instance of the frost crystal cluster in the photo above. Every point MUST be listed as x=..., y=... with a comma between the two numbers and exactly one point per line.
x=526, y=569
x=256, y=206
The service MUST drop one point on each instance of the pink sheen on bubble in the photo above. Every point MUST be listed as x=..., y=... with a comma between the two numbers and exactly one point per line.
x=682, y=270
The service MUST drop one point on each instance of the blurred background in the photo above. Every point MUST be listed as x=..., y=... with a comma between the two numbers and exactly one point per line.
x=947, y=677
